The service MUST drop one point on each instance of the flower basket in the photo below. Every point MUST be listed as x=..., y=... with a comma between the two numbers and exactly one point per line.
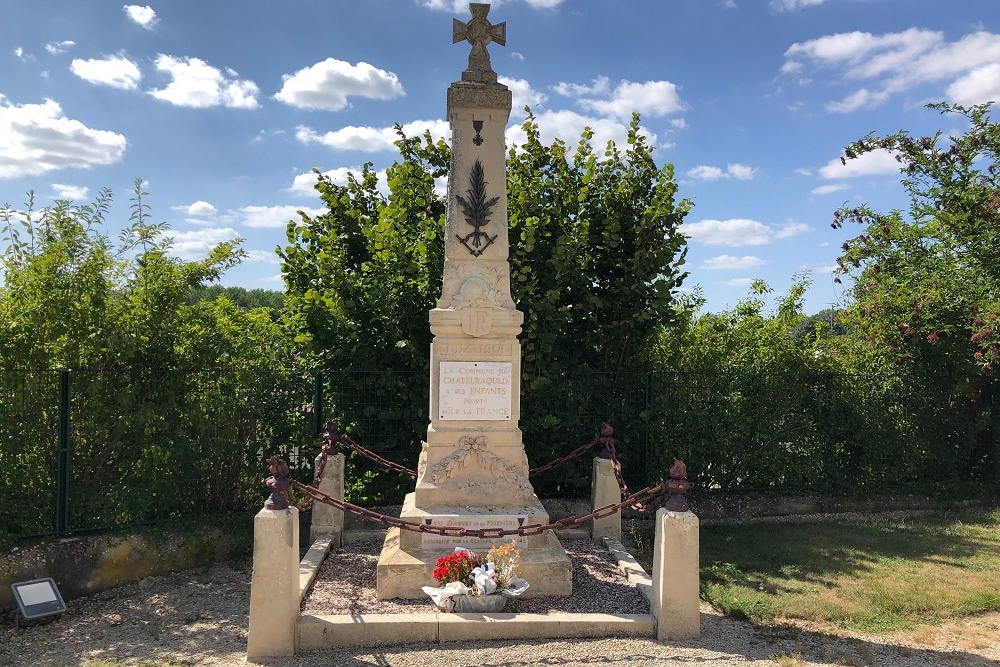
x=493, y=577
x=479, y=604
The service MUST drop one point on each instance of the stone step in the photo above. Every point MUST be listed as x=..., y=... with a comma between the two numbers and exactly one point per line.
x=316, y=633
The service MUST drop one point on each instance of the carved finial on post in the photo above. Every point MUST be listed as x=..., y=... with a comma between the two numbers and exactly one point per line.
x=279, y=483
x=676, y=486
x=330, y=436
x=607, y=441
x=479, y=32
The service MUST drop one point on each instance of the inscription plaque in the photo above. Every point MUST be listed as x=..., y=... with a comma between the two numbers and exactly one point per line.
x=474, y=390
x=473, y=521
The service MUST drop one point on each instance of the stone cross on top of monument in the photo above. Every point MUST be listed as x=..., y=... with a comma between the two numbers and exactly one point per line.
x=479, y=32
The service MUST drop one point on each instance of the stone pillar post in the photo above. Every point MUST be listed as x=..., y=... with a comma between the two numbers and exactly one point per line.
x=604, y=491
x=674, y=599
x=274, y=585
x=327, y=520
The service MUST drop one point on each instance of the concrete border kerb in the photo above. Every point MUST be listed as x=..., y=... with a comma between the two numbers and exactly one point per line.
x=274, y=635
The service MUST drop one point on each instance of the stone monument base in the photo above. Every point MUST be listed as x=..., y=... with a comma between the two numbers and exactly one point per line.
x=408, y=558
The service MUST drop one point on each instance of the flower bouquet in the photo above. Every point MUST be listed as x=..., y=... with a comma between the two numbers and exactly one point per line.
x=493, y=578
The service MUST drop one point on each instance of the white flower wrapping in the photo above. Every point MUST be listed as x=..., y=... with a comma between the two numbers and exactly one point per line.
x=484, y=580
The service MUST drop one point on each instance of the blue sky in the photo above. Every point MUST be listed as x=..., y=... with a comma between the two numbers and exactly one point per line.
x=225, y=107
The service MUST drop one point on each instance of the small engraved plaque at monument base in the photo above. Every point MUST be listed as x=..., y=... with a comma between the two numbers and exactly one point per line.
x=475, y=390
x=475, y=522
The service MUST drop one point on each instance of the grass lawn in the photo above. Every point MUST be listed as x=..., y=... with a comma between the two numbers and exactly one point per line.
x=874, y=575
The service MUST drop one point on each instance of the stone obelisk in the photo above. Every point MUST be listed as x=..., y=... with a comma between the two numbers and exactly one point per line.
x=473, y=470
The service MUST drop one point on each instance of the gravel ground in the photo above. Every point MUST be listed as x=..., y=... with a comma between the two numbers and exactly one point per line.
x=199, y=617
x=346, y=585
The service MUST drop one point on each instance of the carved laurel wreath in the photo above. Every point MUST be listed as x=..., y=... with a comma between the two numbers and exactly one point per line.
x=446, y=468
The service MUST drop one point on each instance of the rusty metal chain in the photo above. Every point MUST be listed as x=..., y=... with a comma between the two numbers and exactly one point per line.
x=617, y=467
x=607, y=439
x=324, y=453
x=558, y=462
x=367, y=453
x=331, y=436
x=385, y=463
x=481, y=533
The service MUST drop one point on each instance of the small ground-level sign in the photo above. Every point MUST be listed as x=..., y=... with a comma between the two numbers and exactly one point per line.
x=38, y=598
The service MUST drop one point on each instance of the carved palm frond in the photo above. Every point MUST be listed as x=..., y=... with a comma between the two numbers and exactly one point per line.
x=477, y=208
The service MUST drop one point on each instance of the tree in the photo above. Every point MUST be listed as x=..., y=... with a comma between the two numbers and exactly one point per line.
x=816, y=326
x=246, y=299
x=359, y=280
x=595, y=259
x=926, y=285
x=170, y=401
x=738, y=395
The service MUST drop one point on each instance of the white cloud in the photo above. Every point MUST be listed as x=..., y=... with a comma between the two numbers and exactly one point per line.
x=802, y=171
x=264, y=134
x=115, y=71
x=276, y=217
x=36, y=138
x=679, y=123
x=729, y=263
x=860, y=49
x=790, y=229
x=948, y=60
x=194, y=83
x=263, y=256
x=372, y=139
x=600, y=86
x=201, y=209
x=304, y=184
x=734, y=232
x=195, y=244
x=72, y=192
x=517, y=55
x=896, y=62
x=441, y=186
x=522, y=94
x=20, y=54
x=829, y=189
x=977, y=87
x=59, y=48
x=740, y=172
x=876, y=163
x=738, y=282
x=142, y=15
x=856, y=100
x=327, y=85
x=705, y=172
x=793, y=5
x=569, y=125
x=651, y=98
x=791, y=67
